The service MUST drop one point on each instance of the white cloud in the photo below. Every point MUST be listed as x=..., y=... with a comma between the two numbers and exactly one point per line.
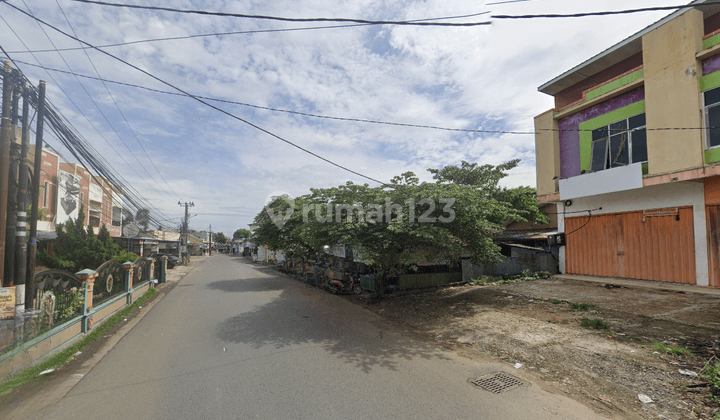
x=469, y=78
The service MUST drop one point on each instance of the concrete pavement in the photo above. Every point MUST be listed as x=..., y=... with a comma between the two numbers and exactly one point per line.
x=234, y=340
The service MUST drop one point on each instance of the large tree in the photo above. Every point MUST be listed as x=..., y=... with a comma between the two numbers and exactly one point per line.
x=241, y=234
x=142, y=218
x=405, y=222
x=219, y=237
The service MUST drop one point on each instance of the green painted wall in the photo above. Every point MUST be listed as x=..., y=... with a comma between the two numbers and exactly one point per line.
x=712, y=155
x=418, y=281
x=615, y=84
x=597, y=122
x=711, y=81
x=709, y=42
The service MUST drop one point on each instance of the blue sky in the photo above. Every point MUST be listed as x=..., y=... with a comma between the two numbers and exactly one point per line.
x=470, y=78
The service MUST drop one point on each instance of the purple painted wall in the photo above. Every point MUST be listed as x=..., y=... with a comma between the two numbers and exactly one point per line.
x=711, y=65
x=570, y=139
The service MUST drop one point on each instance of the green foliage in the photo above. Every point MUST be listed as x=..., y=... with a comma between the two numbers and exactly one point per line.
x=126, y=257
x=392, y=246
x=579, y=307
x=69, y=303
x=712, y=375
x=597, y=324
x=555, y=301
x=677, y=350
x=220, y=237
x=78, y=248
x=241, y=234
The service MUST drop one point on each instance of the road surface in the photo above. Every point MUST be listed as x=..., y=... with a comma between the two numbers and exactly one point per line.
x=236, y=341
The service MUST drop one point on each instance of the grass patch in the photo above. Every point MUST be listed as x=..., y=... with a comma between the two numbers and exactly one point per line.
x=555, y=301
x=644, y=316
x=579, y=307
x=664, y=348
x=597, y=324
x=524, y=275
x=31, y=374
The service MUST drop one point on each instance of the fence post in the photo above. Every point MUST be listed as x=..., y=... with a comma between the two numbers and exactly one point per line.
x=152, y=271
x=87, y=276
x=128, y=266
x=163, y=268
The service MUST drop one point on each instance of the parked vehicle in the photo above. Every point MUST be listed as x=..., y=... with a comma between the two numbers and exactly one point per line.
x=172, y=260
x=349, y=283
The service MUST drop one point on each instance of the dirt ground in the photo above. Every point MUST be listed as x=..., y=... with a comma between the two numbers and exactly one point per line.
x=534, y=323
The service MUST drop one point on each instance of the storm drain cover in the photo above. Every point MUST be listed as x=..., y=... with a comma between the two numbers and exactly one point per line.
x=498, y=382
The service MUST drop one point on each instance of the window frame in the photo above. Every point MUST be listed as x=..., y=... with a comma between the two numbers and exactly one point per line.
x=608, y=142
x=706, y=119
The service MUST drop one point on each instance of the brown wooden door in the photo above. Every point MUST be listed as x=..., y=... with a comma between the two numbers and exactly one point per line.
x=633, y=245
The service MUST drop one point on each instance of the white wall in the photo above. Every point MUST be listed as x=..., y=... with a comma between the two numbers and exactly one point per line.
x=680, y=194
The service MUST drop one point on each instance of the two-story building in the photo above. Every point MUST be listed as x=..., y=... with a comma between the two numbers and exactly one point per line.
x=631, y=154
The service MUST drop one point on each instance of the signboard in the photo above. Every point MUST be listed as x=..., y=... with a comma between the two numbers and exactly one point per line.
x=673, y=211
x=96, y=193
x=68, y=203
x=7, y=302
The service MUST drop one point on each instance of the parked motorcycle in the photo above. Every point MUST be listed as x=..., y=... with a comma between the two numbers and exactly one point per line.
x=350, y=284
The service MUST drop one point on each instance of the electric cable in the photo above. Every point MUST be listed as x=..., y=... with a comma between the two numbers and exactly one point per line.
x=200, y=100
x=286, y=19
x=99, y=109
x=116, y=104
x=361, y=120
x=79, y=148
x=256, y=31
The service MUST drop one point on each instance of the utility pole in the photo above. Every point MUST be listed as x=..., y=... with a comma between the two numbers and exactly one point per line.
x=185, y=228
x=5, y=165
x=35, y=197
x=210, y=242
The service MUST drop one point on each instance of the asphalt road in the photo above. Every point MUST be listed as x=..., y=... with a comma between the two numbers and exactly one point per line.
x=236, y=341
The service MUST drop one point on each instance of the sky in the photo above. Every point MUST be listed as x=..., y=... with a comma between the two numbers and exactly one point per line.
x=174, y=149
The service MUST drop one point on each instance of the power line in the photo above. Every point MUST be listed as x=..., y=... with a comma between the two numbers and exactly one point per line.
x=200, y=100
x=349, y=119
x=98, y=107
x=285, y=19
x=256, y=31
x=91, y=99
x=371, y=22
x=116, y=104
x=81, y=150
x=506, y=2
x=604, y=13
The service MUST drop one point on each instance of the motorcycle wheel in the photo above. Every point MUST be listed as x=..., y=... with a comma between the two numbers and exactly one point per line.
x=333, y=289
x=357, y=289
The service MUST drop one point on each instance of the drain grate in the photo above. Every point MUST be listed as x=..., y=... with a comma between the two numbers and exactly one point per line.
x=498, y=382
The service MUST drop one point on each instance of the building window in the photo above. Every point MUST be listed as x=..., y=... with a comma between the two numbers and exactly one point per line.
x=712, y=117
x=82, y=199
x=45, y=195
x=619, y=144
x=107, y=209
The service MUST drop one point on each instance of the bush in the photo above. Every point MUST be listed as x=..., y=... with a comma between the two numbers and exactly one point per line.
x=126, y=257
x=78, y=248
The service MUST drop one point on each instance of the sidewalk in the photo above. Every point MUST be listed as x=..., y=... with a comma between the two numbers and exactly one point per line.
x=180, y=271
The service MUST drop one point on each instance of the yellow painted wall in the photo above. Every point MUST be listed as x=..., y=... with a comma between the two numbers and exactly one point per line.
x=672, y=95
x=547, y=154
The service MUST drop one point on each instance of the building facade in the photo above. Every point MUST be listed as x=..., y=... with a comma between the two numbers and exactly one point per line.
x=65, y=188
x=630, y=154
